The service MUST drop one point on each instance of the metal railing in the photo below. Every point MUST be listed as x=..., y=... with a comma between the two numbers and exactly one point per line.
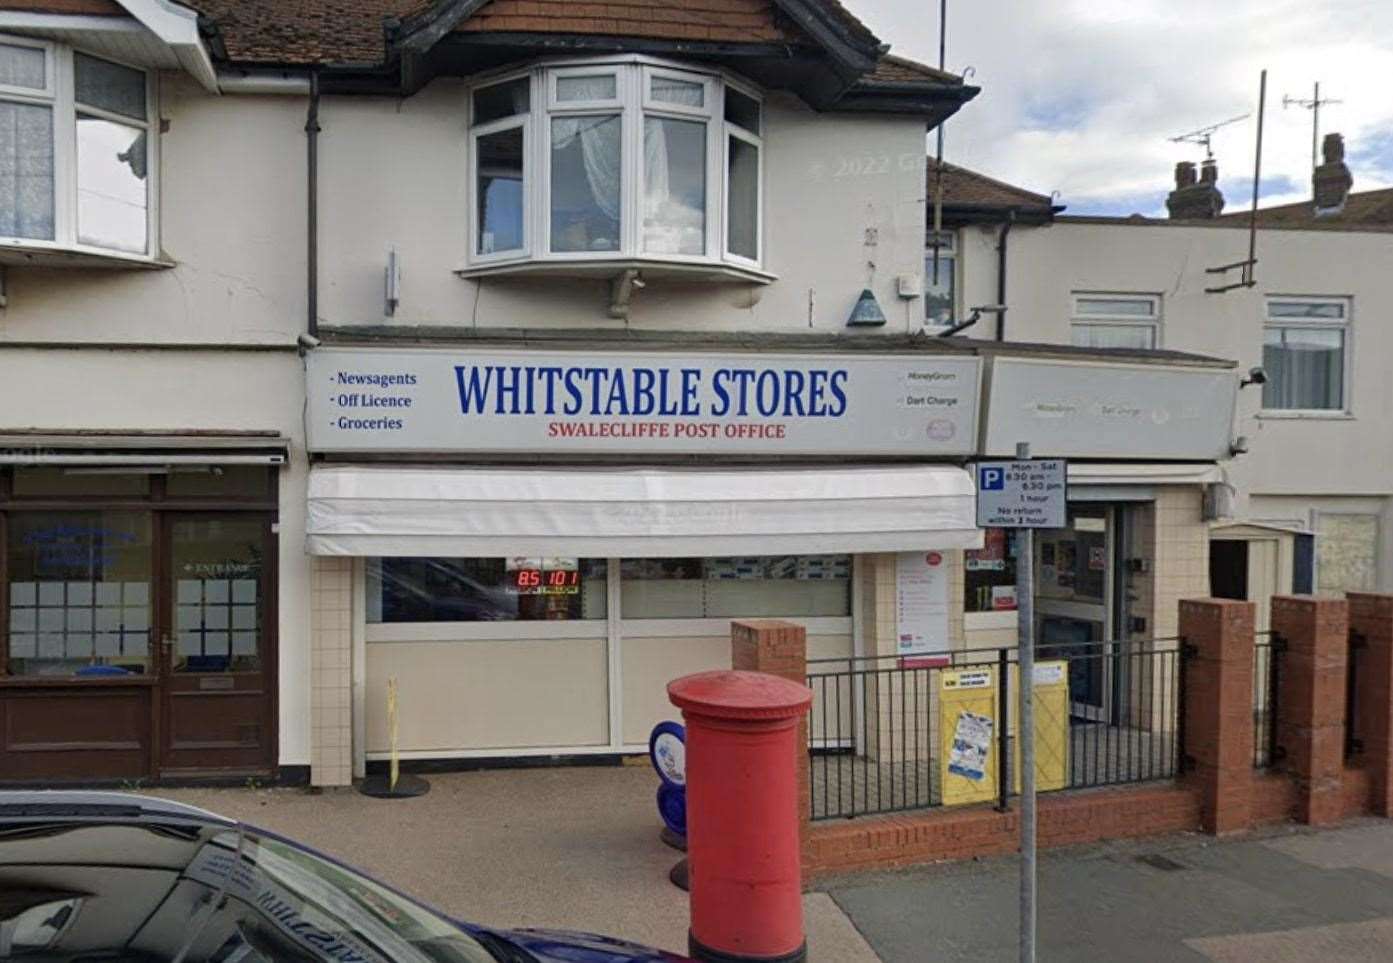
x=876, y=738
x=1267, y=669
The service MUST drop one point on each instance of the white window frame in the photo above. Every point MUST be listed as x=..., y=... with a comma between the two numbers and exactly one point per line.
x=60, y=98
x=1080, y=319
x=946, y=255
x=1345, y=325
x=633, y=103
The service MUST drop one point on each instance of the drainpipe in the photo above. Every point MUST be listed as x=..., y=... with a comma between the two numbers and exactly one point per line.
x=1001, y=273
x=312, y=207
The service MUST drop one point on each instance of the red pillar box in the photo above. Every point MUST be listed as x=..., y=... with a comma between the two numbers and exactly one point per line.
x=742, y=815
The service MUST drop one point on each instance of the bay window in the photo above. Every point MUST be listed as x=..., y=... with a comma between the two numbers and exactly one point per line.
x=76, y=151
x=607, y=161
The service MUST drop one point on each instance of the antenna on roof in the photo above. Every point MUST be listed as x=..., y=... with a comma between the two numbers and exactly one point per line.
x=1247, y=267
x=1202, y=135
x=1313, y=105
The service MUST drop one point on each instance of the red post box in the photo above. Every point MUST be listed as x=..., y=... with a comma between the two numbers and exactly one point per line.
x=742, y=815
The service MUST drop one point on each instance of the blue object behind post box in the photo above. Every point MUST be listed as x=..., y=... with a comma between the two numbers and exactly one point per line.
x=667, y=750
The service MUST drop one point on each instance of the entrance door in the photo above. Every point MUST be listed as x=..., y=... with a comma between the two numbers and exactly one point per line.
x=217, y=653
x=1073, y=586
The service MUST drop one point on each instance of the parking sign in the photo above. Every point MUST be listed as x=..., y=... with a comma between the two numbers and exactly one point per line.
x=1022, y=494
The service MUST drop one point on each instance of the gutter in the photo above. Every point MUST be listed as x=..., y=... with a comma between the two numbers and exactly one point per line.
x=312, y=209
x=1002, y=238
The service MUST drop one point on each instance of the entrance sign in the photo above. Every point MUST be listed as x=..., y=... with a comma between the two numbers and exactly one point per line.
x=447, y=400
x=1022, y=494
x=921, y=608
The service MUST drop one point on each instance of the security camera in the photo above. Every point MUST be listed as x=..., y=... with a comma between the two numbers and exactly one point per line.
x=306, y=341
x=1256, y=376
x=1239, y=446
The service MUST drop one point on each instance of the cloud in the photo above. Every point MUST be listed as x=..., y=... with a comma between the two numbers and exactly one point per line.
x=1083, y=96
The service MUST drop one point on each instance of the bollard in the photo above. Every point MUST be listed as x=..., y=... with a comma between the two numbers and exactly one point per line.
x=742, y=815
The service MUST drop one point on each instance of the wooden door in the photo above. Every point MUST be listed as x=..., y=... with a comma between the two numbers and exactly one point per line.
x=217, y=652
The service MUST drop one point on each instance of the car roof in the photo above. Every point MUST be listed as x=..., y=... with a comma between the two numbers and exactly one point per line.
x=81, y=805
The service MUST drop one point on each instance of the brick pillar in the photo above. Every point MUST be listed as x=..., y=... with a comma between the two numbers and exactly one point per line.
x=1311, y=700
x=778, y=648
x=1371, y=616
x=1218, y=697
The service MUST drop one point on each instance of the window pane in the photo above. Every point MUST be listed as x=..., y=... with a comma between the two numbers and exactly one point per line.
x=499, y=160
x=79, y=587
x=742, y=200
x=586, y=87
x=111, y=185
x=228, y=481
x=674, y=186
x=1334, y=310
x=991, y=572
x=218, y=604
x=1127, y=307
x=1113, y=335
x=22, y=66
x=502, y=100
x=485, y=589
x=585, y=180
x=670, y=90
x=939, y=298
x=109, y=86
x=1346, y=553
x=1305, y=369
x=786, y=586
x=49, y=482
x=742, y=111
x=26, y=171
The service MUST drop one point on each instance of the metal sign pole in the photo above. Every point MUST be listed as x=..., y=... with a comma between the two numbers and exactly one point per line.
x=1025, y=611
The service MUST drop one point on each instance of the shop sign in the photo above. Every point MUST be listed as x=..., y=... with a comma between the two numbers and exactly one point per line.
x=1100, y=410
x=921, y=608
x=444, y=401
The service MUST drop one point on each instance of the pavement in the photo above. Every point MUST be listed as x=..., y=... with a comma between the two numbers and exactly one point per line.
x=573, y=848
x=578, y=848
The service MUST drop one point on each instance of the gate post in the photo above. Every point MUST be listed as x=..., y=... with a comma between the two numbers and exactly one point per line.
x=1311, y=700
x=1371, y=616
x=1216, y=637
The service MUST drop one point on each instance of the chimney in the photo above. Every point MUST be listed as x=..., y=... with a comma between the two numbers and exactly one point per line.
x=1331, y=181
x=1195, y=198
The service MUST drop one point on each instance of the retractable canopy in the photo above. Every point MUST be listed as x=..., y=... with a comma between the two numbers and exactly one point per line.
x=635, y=513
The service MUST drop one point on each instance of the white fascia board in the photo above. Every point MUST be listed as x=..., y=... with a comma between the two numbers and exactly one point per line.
x=177, y=26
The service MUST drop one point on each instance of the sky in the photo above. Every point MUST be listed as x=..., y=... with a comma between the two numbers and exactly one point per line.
x=1081, y=96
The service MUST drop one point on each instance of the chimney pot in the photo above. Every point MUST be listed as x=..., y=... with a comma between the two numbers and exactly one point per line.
x=1195, y=198
x=1331, y=181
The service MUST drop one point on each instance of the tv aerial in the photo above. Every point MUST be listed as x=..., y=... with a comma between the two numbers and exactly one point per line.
x=1202, y=136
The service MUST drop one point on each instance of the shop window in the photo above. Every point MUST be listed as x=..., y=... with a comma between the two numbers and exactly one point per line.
x=76, y=144
x=1346, y=553
x=1304, y=354
x=788, y=586
x=616, y=159
x=1116, y=321
x=516, y=589
x=79, y=591
x=940, y=280
x=218, y=565
x=991, y=572
x=1073, y=562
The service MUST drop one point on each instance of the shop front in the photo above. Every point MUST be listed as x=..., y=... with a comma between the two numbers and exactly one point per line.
x=541, y=541
x=139, y=620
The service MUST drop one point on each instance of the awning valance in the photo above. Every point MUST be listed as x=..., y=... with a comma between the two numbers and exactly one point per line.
x=635, y=513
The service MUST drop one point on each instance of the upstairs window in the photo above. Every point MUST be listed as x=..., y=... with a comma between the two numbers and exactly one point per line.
x=1116, y=321
x=603, y=161
x=75, y=150
x=1304, y=354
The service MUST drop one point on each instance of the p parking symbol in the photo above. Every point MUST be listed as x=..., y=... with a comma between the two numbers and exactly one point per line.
x=991, y=479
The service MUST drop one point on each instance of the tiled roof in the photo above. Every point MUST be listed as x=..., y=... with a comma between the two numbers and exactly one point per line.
x=84, y=8
x=1363, y=209
x=899, y=70
x=304, y=31
x=971, y=189
x=737, y=21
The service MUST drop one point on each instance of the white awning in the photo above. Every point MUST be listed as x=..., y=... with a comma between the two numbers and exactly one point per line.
x=1144, y=473
x=635, y=513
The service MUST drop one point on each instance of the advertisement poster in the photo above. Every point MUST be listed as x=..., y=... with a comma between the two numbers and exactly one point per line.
x=972, y=740
x=921, y=608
